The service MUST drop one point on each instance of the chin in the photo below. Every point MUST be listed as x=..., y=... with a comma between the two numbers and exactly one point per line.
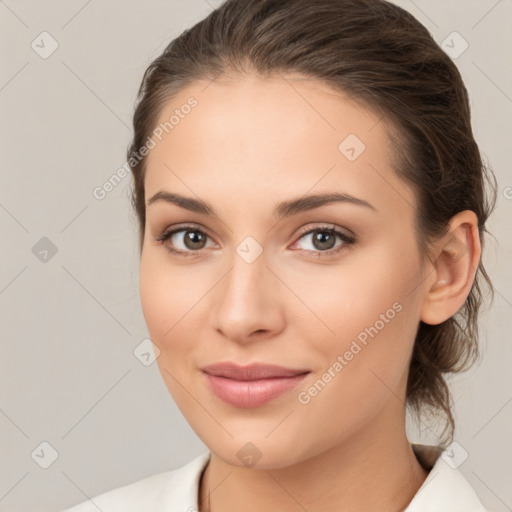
x=256, y=450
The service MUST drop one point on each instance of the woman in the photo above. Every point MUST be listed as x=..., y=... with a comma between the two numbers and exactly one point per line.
x=312, y=207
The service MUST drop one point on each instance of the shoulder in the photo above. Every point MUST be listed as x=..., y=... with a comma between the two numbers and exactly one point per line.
x=445, y=488
x=156, y=492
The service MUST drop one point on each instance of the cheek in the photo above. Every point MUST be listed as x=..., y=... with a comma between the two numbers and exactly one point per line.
x=346, y=394
x=164, y=300
x=366, y=309
x=165, y=293
x=156, y=297
x=174, y=304
x=344, y=299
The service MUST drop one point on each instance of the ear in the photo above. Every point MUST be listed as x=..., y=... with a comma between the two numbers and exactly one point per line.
x=456, y=259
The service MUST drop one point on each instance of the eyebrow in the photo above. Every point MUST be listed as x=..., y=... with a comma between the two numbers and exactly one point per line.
x=283, y=209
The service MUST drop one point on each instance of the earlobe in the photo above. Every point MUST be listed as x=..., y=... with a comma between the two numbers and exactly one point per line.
x=458, y=256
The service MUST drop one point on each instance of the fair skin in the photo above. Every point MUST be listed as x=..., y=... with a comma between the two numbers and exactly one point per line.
x=250, y=144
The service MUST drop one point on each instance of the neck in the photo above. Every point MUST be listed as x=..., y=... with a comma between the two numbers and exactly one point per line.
x=374, y=469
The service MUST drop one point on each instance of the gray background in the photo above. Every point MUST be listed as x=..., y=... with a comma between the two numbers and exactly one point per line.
x=70, y=323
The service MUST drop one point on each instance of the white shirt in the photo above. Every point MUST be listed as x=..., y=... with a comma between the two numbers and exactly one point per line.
x=444, y=490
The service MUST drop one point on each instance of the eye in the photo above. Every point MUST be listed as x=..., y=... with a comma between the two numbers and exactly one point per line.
x=321, y=241
x=188, y=239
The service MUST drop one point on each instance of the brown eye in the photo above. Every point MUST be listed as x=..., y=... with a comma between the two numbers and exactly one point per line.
x=322, y=241
x=184, y=241
x=194, y=240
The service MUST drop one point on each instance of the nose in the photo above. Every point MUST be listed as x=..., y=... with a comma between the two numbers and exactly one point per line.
x=247, y=303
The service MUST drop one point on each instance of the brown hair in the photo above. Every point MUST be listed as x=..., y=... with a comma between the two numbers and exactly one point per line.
x=380, y=55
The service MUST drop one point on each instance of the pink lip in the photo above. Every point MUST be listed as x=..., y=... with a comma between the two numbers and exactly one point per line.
x=252, y=385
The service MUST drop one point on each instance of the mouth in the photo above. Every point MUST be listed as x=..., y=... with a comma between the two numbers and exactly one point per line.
x=253, y=385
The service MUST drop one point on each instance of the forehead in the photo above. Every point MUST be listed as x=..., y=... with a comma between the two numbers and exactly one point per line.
x=282, y=134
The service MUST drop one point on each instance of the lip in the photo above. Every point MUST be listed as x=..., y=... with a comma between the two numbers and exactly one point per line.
x=252, y=385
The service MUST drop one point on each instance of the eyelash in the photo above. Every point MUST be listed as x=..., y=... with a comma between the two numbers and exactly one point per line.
x=348, y=240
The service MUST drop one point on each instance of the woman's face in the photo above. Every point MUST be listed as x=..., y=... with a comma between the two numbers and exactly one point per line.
x=263, y=280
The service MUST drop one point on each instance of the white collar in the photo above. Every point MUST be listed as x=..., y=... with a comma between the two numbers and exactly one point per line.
x=445, y=489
